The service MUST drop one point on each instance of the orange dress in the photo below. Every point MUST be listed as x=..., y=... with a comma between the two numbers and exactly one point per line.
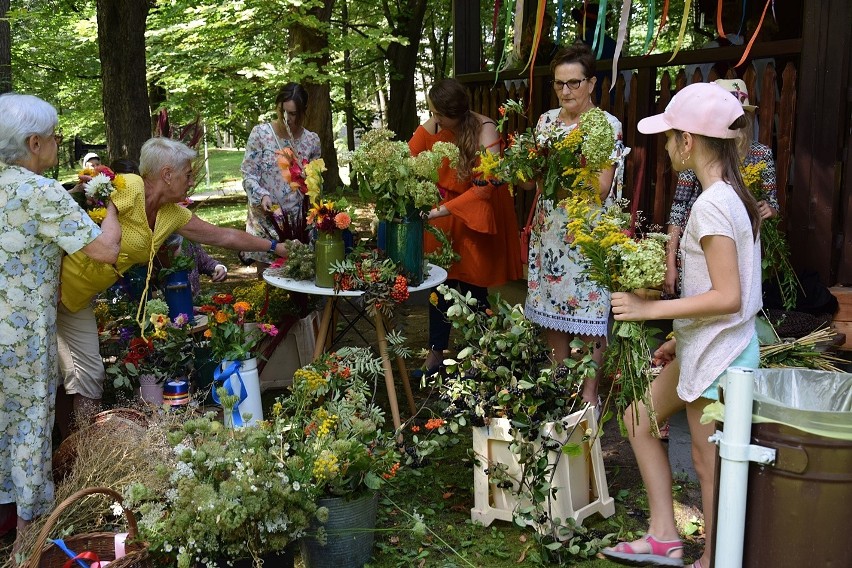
x=482, y=223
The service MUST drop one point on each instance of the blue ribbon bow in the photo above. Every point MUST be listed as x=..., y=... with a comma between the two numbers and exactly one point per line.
x=223, y=376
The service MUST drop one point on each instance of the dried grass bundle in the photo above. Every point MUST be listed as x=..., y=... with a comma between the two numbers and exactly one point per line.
x=112, y=453
x=803, y=352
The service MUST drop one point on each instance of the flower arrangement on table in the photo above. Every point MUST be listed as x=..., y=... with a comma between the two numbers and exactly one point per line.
x=620, y=263
x=163, y=350
x=230, y=339
x=330, y=216
x=98, y=183
x=402, y=185
x=775, y=257
x=379, y=277
x=563, y=162
x=504, y=371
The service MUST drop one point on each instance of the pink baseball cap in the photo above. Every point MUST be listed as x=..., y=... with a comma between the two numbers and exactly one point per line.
x=700, y=108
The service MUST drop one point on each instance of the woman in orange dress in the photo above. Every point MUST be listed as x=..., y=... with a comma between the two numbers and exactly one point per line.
x=478, y=217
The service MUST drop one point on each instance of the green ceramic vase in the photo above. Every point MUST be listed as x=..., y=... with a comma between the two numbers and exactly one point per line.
x=328, y=249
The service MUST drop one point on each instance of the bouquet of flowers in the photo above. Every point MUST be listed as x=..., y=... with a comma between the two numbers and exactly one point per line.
x=564, y=162
x=331, y=424
x=775, y=258
x=98, y=183
x=163, y=353
x=379, y=277
x=402, y=185
x=230, y=339
x=329, y=216
x=620, y=263
x=302, y=175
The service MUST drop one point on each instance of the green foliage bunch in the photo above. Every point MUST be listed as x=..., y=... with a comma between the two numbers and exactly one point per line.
x=269, y=304
x=503, y=371
x=402, y=185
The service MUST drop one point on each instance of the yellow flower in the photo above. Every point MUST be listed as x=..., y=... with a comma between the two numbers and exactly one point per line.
x=119, y=182
x=98, y=214
x=433, y=299
x=159, y=320
x=326, y=466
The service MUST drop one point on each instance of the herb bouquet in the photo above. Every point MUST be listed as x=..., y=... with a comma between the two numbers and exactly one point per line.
x=775, y=251
x=620, y=263
x=563, y=162
x=401, y=185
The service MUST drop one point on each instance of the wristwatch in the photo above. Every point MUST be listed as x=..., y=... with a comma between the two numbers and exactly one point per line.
x=272, y=244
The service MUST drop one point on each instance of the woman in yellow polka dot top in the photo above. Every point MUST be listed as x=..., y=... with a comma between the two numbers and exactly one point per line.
x=148, y=214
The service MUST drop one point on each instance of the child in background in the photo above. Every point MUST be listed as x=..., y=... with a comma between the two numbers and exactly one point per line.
x=714, y=320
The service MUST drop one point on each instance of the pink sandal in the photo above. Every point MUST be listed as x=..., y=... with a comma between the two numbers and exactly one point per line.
x=660, y=553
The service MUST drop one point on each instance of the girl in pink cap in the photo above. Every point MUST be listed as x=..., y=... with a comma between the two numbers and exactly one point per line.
x=714, y=319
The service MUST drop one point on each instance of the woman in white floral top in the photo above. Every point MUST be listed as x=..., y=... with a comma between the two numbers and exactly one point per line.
x=560, y=296
x=262, y=180
x=39, y=221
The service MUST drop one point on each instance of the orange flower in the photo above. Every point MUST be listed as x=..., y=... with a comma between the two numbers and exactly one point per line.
x=208, y=334
x=221, y=317
x=433, y=299
x=415, y=429
x=242, y=307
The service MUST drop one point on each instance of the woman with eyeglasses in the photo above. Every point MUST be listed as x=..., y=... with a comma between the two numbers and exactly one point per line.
x=39, y=222
x=263, y=182
x=149, y=212
x=560, y=298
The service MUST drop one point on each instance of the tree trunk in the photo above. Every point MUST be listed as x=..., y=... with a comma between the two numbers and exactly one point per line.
x=5, y=49
x=402, y=106
x=313, y=45
x=121, y=43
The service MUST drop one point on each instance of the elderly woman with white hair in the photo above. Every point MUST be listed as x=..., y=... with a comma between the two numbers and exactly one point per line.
x=148, y=211
x=39, y=221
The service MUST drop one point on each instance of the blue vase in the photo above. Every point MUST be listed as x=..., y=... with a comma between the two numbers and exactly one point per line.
x=178, y=294
x=404, y=245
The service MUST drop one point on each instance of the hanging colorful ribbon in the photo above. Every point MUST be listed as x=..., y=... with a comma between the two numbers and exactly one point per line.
x=560, y=10
x=622, y=33
x=719, y=28
x=539, y=22
x=754, y=35
x=223, y=376
x=509, y=9
x=649, y=35
x=664, y=18
x=687, y=9
x=600, y=29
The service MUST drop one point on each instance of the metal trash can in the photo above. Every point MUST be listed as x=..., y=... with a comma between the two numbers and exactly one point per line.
x=799, y=511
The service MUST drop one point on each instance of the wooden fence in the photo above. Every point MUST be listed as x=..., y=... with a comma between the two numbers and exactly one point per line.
x=643, y=87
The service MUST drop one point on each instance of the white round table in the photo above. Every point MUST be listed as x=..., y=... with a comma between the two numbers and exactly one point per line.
x=435, y=276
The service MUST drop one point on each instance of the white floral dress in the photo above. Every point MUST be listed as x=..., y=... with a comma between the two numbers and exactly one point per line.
x=38, y=220
x=262, y=177
x=559, y=295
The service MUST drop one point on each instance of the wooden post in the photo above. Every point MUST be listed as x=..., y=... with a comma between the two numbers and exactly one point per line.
x=821, y=125
x=467, y=54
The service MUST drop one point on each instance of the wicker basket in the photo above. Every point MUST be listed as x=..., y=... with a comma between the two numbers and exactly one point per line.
x=101, y=543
